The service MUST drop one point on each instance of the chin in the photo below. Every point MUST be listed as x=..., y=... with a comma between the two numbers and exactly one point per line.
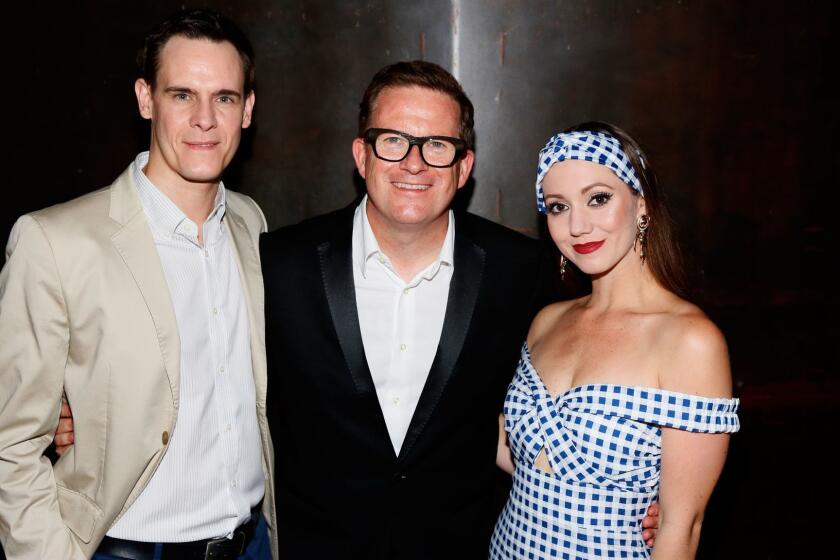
x=598, y=268
x=408, y=220
x=418, y=217
x=202, y=175
x=591, y=268
x=407, y=213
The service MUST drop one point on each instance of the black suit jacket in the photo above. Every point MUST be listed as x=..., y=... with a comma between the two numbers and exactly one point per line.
x=342, y=492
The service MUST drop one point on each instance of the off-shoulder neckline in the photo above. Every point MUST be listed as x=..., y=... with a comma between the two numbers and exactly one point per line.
x=526, y=353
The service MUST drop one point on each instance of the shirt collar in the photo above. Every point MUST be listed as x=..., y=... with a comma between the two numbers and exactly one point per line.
x=164, y=215
x=368, y=246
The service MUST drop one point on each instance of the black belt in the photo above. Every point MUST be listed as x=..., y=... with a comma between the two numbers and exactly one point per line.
x=207, y=549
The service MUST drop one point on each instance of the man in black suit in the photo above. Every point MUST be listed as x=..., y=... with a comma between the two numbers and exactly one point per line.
x=394, y=327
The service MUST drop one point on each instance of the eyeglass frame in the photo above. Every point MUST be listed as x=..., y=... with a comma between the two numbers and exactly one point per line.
x=370, y=135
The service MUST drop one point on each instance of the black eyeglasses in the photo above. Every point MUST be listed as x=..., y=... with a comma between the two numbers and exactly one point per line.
x=393, y=145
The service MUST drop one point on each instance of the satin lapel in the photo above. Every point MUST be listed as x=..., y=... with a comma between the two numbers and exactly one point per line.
x=250, y=276
x=135, y=244
x=336, y=257
x=460, y=305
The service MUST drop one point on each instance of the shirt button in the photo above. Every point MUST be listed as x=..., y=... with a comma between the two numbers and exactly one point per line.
x=215, y=311
x=206, y=253
x=402, y=347
x=222, y=369
x=164, y=437
x=382, y=258
x=227, y=427
x=233, y=483
x=396, y=400
x=405, y=291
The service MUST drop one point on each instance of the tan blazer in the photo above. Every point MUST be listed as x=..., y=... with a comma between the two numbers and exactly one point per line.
x=85, y=310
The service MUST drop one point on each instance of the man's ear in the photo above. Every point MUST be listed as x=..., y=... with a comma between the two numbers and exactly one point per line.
x=143, y=91
x=250, y=99
x=465, y=167
x=360, y=155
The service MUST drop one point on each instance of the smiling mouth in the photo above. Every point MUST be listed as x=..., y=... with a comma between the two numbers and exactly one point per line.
x=411, y=186
x=585, y=248
x=201, y=145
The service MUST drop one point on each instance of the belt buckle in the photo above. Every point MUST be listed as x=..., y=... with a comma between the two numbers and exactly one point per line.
x=218, y=549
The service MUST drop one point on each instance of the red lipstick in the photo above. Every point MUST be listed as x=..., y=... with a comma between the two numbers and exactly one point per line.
x=591, y=247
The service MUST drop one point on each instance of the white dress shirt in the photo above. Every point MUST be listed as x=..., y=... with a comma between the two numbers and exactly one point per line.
x=400, y=321
x=211, y=475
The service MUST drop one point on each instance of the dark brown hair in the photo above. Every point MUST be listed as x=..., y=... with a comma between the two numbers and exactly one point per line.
x=422, y=74
x=662, y=252
x=195, y=24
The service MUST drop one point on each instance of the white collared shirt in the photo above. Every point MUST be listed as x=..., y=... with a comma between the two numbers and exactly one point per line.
x=211, y=475
x=401, y=322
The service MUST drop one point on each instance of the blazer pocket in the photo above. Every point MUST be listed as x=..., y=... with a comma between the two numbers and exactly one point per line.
x=79, y=513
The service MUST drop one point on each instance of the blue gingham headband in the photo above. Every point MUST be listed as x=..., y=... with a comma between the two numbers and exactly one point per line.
x=597, y=147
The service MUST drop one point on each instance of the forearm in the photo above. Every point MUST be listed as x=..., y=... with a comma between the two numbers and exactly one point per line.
x=503, y=457
x=31, y=526
x=691, y=465
x=31, y=522
x=34, y=331
x=503, y=460
x=677, y=540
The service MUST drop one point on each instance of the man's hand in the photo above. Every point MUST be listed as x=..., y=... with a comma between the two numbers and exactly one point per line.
x=64, y=433
x=650, y=524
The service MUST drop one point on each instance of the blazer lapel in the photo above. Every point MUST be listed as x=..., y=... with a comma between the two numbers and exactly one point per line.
x=250, y=275
x=136, y=246
x=336, y=258
x=463, y=293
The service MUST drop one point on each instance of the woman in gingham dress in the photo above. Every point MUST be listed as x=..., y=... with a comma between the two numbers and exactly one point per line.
x=621, y=397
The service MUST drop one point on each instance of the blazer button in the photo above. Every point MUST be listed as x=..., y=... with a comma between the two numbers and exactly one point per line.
x=164, y=437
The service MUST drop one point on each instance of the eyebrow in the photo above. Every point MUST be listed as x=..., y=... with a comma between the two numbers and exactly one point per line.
x=596, y=184
x=584, y=190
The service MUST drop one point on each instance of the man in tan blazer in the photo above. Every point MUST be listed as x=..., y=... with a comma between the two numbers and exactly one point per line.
x=143, y=303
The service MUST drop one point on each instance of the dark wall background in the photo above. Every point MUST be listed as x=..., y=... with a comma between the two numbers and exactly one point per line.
x=732, y=101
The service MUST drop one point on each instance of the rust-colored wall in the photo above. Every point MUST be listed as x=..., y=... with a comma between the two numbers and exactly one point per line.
x=731, y=99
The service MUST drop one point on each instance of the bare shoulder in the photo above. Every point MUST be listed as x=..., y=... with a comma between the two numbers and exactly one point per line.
x=694, y=354
x=547, y=318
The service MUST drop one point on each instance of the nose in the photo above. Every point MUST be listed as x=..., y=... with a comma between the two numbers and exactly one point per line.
x=204, y=115
x=579, y=223
x=413, y=162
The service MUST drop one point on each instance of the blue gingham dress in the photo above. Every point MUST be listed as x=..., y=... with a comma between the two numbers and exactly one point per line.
x=603, y=443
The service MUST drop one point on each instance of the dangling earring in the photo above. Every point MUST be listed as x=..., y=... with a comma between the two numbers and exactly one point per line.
x=562, y=267
x=641, y=235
